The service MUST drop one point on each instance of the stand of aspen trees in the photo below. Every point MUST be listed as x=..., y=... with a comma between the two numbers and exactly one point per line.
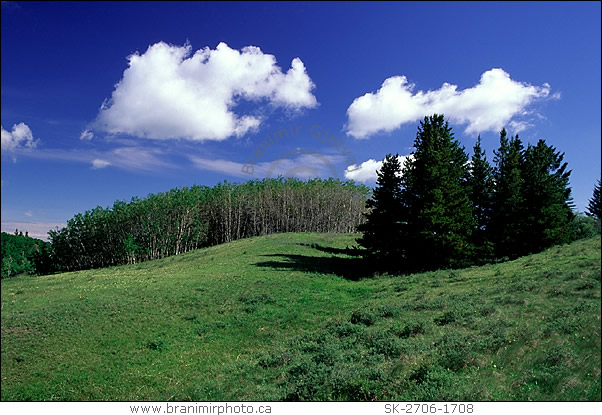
x=188, y=218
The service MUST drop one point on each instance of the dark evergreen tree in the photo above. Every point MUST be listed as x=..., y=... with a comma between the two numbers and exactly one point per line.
x=546, y=212
x=507, y=196
x=594, y=208
x=435, y=196
x=381, y=231
x=481, y=195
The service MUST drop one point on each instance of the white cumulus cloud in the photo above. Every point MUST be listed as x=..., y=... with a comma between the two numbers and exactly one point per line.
x=366, y=171
x=170, y=92
x=20, y=137
x=487, y=106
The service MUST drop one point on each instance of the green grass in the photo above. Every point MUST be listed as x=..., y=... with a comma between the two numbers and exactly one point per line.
x=256, y=320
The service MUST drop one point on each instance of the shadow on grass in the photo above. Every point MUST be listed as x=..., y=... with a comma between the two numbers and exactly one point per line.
x=355, y=252
x=349, y=268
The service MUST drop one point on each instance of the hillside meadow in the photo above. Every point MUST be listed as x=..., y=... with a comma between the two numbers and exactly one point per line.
x=259, y=319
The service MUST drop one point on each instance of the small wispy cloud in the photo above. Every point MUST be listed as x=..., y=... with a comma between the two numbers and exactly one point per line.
x=37, y=230
x=298, y=163
x=100, y=164
x=86, y=135
x=131, y=158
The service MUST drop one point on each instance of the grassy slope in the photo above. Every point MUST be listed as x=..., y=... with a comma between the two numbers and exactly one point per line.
x=254, y=320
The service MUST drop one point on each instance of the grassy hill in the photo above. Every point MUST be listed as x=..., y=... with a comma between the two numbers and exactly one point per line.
x=259, y=320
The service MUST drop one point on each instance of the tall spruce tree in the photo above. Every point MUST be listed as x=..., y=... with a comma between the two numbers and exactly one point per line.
x=481, y=195
x=547, y=208
x=594, y=208
x=381, y=231
x=435, y=194
x=507, y=196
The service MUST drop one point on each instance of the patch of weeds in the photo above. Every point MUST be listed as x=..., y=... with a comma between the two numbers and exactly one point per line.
x=455, y=351
x=252, y=302
x=327, y=354
x=420, y=374
x=510, y=300
x=455, y=276
x=420, y=304
x=351, y=382
x=588, y=285
x=209, y=329
x=564, y=321
x=381, y=343
x=549, y=369
x=343, y=329
x=555, y=292
x=492, y=338
x=446, y=318
x=157, y=345
x=547, y=274
x=388, y=311
x=363, y=316
x=518, y=284
x=487, y=310
x=573, y=275
x=250, y=308
x=410, y=329
x=400, y=287
x=262, y=298
x=274, y=359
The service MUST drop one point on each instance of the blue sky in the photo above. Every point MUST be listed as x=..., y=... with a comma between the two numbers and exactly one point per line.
x=109, y=100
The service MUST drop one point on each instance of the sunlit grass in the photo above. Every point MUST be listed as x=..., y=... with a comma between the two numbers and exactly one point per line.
x=256, y=319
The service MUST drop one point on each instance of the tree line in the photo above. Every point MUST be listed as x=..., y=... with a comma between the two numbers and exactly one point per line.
x=22, y=254
x=444, y=209
x=441, y=209
x=189, y=218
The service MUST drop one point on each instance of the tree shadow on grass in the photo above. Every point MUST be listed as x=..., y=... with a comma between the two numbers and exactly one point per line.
x=355, y=252
x=349, y=268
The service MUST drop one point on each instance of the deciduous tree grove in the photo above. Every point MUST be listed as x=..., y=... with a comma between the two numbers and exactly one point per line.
x=183, y=219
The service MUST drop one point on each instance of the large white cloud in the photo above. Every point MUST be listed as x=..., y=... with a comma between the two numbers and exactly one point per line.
x=366, y=171
x=20, y=137
x=168, y=92
x=487, y=106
